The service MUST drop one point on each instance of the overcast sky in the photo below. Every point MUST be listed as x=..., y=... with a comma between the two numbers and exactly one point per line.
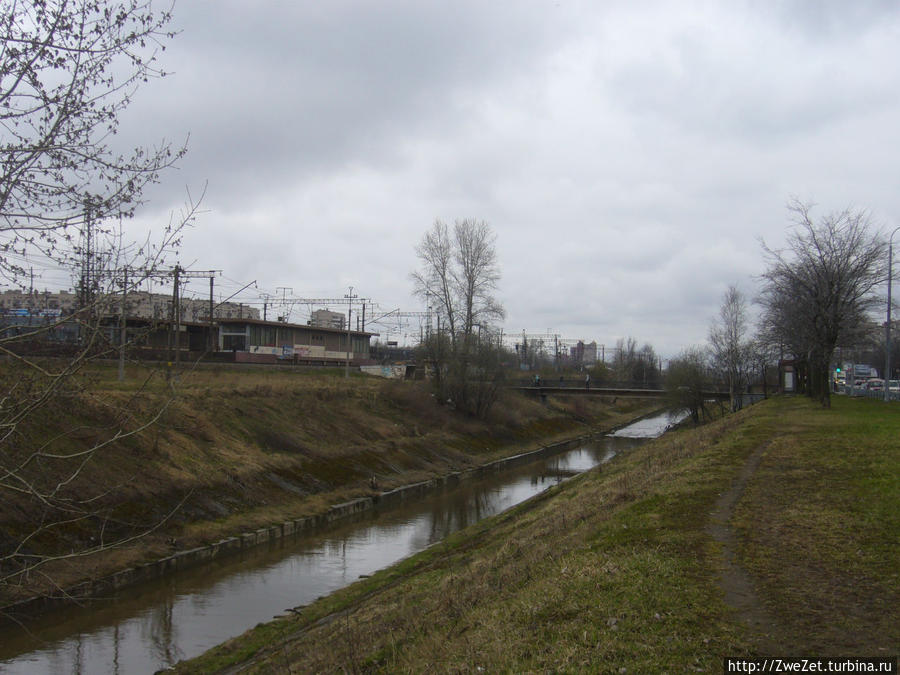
x=628, y=156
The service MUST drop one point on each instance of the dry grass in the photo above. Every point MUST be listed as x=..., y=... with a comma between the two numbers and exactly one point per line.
x=226, y=434
x=615, y=571
x=589, y=576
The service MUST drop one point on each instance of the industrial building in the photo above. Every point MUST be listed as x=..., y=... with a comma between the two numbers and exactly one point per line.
x=235, y=334
x=268, y=341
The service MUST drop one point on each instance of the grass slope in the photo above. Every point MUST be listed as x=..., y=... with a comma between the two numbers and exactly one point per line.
x=238, y=449
x=616, y=571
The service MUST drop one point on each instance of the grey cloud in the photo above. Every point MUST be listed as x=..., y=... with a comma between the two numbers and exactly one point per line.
x=830, y=20
x=767, y=85
x=267, y=89
x=628, y=156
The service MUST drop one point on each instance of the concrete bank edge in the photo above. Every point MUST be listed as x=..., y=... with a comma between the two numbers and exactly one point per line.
x=182, y=560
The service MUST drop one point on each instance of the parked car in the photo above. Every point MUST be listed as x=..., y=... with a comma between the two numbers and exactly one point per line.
x=875, y=384
x=894, y=386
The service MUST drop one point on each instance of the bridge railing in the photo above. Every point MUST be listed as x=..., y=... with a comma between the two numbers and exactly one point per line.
x=576, y=383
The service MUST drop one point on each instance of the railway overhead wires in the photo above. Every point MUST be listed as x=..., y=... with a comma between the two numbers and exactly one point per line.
x=287, y=304
x=399, y=322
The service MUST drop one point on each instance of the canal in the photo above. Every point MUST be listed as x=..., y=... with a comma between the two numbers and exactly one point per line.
x=152, y=626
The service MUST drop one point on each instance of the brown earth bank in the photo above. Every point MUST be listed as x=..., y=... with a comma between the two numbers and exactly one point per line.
x=188, y=461
x=771, y=532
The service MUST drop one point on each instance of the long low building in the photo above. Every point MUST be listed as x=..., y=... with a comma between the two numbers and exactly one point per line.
x=254, y=340
x=239, y=340
x=247, y=341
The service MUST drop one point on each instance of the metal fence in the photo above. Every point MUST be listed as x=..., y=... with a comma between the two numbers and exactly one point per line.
x=893, y=395
x=750, y=399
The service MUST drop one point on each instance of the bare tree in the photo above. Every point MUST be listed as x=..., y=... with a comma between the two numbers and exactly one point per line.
x=730, y=347
x=686, y=379
x=624, y=358
x=820, y=288
x=436, y=282
x=476, y=275
x=458, y=279
x=68, y=70
x=763, y=354
x=635, y=366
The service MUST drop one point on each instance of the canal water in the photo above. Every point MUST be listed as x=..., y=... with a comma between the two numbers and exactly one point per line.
x=154, y=625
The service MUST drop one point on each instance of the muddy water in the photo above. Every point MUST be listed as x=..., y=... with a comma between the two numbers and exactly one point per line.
x=146, y=628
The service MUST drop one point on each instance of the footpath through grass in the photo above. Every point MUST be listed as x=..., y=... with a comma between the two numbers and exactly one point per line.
x=616, y=571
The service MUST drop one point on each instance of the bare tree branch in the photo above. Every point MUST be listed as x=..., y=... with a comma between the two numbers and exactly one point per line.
x=68, y=71
x=458, y=278
x=819, y=289
x=731, y=348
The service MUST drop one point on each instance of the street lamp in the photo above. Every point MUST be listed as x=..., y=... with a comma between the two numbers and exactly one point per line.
x=887, y=326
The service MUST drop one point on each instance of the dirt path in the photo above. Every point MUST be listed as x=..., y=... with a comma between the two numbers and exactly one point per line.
x=734, y=579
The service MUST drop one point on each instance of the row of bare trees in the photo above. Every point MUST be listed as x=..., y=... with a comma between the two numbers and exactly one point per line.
x=458, y=281
x=637, y=366
x=819, y=291
x=816, y=294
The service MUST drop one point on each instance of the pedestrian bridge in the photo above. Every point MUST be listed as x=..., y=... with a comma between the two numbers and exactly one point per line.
x=543, y=391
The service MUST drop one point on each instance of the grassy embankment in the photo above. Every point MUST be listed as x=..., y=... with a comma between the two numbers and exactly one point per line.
x=245, y=448
x=619, y=570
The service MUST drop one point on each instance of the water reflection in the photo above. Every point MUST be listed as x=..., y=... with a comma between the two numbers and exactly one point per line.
x=161, y=634
x=651, y=427
x=159, y=623
x=449, y=514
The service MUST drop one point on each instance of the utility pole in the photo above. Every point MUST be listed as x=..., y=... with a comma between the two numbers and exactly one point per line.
x=349, y=297
x=887, y=324
x=173, y=316
x=198, y=274
x=212, y=345
x=178, y=273
x=122, y=321
x=86, y=294
x=85, y=281
x=176, y=307
x=284, y=291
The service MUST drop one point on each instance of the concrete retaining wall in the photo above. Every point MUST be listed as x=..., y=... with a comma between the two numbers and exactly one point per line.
x=195, y=556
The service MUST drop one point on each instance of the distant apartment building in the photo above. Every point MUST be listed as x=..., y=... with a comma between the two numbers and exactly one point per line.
x=237, y=329
x=159, y=306
x=589, y=353
x=585, y=354
x=64, y=302
x=138, y=304
x=323, y=318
